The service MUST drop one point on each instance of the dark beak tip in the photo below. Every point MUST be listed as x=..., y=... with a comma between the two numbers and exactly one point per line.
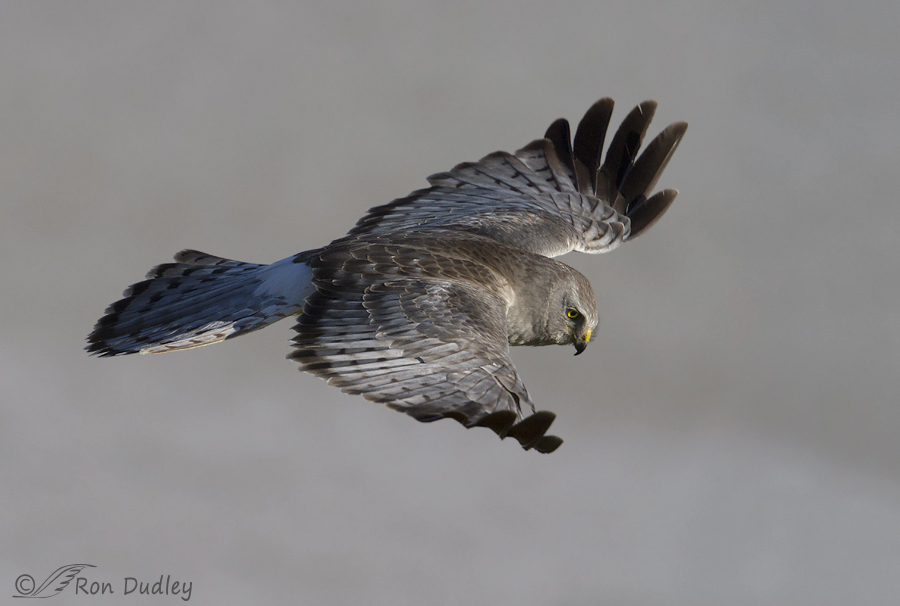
x=579, y=348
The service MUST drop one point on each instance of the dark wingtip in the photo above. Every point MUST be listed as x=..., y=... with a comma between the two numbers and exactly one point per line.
x=558, y=133
x=529, y=432
x=531, y=429
x=498, y=422
x=547, y=444
x=644, y=215
x=624, y=147
x=648, y=168
x=590, y=135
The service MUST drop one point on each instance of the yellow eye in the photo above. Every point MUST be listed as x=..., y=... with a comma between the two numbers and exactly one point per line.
x=571, y=313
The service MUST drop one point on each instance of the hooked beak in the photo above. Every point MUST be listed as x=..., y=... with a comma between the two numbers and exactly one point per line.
x=580, y=346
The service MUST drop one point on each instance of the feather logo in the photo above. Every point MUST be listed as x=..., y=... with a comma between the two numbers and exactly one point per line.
x=56, y=582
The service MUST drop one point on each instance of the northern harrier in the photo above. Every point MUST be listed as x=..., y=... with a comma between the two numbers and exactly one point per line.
x=417, y=305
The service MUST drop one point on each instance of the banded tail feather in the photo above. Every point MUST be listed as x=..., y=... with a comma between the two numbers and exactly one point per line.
x=198, y=300
x=418, y=305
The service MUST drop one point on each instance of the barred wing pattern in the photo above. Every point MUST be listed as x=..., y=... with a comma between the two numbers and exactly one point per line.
x=417, y=305
x=418, y=329
x=549, y=198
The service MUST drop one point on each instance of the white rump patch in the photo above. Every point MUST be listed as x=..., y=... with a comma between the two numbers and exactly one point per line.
x=286, y=280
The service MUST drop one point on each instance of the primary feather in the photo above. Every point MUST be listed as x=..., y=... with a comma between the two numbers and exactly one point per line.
x=417, y=306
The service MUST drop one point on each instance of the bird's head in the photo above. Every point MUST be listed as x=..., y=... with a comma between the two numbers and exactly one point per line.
x=572, y=314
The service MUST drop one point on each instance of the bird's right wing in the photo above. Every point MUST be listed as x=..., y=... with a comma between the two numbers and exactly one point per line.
x=424, y=336
x=550, y=197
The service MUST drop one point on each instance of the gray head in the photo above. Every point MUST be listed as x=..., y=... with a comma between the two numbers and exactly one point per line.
x=556, y=308
x=572, y=315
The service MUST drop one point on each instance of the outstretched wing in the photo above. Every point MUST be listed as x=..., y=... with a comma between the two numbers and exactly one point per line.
x=424, y=335
x=549, y=197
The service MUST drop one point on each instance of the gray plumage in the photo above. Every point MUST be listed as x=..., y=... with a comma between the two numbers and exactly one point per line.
x=417, y=306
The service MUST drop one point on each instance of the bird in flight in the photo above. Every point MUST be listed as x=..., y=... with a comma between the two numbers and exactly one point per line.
x=417, y=305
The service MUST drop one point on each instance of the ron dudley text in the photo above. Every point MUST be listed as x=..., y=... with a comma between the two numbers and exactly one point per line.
x=164, y=586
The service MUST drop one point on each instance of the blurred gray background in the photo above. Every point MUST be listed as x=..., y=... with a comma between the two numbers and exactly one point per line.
x=731, y=434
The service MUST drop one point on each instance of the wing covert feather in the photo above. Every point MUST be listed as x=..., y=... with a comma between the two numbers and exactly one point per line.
x=549, y=197
x=423, y=340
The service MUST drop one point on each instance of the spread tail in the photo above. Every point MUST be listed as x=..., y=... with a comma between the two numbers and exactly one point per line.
x=198, y=300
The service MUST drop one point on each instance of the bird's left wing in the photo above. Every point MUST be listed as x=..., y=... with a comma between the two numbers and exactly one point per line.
x=550, y=197
x=387, y=323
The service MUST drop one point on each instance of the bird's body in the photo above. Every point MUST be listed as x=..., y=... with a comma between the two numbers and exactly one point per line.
x=417, y=306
